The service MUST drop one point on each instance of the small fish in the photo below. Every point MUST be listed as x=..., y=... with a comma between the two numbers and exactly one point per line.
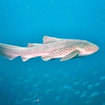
x=77, y=92
x=102, y=78
x=51, y=48
x=94, y=94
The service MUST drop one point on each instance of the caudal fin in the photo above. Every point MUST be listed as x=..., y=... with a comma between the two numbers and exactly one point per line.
x=9, y=51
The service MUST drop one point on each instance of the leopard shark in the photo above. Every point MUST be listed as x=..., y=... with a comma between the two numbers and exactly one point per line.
x=51, y=48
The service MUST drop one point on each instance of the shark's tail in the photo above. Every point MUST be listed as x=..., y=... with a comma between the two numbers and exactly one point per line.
x=9, y=51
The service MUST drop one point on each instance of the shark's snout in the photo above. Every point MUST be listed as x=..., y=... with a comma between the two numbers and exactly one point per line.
x=92, y=48
x=96, y=48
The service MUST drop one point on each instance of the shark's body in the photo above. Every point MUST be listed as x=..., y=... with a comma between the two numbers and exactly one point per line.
x=51, y=48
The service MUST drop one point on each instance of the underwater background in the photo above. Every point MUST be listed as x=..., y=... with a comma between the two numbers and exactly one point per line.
x=35, y=82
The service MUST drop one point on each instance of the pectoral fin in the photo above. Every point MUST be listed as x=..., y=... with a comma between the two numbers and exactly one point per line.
x=70, y=56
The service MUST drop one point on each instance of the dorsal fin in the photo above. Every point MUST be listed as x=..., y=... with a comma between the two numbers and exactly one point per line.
x=48, y=39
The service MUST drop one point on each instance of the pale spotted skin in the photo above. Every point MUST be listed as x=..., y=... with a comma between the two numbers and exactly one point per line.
x=64, y=47
x=51, y=48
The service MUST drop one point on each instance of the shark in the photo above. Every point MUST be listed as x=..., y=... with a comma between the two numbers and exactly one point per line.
x=51, y=48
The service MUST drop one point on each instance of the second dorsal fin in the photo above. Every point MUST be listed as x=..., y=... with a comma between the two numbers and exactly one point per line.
x=33, y=45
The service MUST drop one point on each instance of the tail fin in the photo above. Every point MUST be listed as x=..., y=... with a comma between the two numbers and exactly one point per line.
x=9, y=51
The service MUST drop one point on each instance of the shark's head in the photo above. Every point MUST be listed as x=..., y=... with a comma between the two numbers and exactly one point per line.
x=88, y=48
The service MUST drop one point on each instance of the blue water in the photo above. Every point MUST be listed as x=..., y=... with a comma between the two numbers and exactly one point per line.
x=35, y=82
